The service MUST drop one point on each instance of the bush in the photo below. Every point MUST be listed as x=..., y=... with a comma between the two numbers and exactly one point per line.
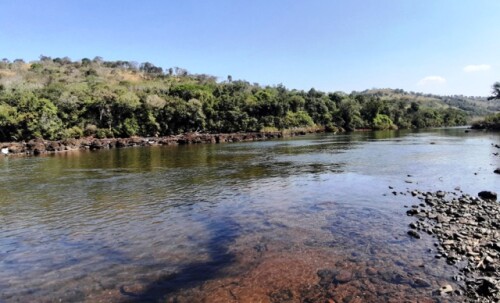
x=130, y=127
x=72, y=133
x=103, y=133
x=383, y=122
x=269, y=129
x=300, y=118
x=90, y=130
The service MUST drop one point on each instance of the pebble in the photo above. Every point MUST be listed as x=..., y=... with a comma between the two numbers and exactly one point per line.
x=467, y=230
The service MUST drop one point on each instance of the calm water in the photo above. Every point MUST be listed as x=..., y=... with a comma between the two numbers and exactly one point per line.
x=243, y=222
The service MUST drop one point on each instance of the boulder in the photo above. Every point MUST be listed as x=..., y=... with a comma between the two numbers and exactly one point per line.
x=53, y=146
x=16, y=148
x=96, y=144
x=487, y=195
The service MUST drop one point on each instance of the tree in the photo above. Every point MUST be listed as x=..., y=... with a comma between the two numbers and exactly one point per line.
x=495, y=92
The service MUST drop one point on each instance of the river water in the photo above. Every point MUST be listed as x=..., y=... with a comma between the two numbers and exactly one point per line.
x=304, y=219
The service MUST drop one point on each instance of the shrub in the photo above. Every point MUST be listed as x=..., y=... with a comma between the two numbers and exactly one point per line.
x=90, y=130
x=72, y=133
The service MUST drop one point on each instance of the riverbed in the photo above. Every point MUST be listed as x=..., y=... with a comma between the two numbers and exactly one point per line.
x=303, y=219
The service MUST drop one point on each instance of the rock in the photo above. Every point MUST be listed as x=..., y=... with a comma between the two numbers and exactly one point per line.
x=446, y=289
x=284, y=295
x=96, y=144
x=442, y=219
x=414, y=234
x=497, y=171
x=418, y=282
x=326, y=277
x=371, y=271
x=53, y=146
x=488, y=195
x=343, y=276
x=16, y=148
x=412, y=212
x=440, y=194
x=467, y=229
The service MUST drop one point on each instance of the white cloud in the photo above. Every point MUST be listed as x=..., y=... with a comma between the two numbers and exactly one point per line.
x=432, y=80
x=477, y=68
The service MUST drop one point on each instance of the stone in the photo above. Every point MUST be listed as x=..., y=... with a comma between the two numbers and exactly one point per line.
x=418, y=282
x=343, y=276
x=412, y=212
x=326, y=276
x=446, y=289
x=487, y=195
x=414, y=234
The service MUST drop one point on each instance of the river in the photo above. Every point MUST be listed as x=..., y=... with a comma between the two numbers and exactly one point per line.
x=302, y=219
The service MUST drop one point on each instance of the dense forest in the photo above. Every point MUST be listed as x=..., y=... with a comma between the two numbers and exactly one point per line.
x=56, y=98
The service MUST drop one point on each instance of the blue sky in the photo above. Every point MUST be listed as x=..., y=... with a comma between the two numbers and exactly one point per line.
x=432, y=46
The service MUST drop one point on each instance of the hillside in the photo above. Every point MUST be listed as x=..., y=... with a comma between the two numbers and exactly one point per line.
x=57, y=98
x=474, y=106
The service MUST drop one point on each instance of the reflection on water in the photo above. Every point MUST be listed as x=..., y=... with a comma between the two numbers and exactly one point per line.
x=307, y=219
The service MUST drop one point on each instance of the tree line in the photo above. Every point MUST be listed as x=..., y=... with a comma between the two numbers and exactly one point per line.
x=57, y=98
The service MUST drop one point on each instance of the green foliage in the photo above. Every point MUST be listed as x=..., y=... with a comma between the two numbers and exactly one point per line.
x=103, y=133
x=90, y=130
x=383, y=122
x=130, y=127
x=491, y=122
x=73, y=132
x=57, y=98
x=298, y=119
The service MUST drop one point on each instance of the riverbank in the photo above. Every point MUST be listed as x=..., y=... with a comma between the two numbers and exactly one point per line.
x=491, y=122
x=40, y=146
x=467, y=232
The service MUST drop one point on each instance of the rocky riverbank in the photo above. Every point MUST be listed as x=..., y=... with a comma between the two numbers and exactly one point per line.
x=40, y=146
x=467, y=232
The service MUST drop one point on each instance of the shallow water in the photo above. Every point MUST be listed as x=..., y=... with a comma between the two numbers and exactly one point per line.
x=305, y=219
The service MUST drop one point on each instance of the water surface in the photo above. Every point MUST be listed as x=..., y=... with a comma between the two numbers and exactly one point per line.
x=299, y=219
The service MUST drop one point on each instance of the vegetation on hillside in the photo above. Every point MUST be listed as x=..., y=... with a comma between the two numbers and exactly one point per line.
x=491, y=121
x=56, y=98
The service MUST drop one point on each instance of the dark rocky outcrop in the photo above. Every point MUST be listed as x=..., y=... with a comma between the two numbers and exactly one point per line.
x=40, y=146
